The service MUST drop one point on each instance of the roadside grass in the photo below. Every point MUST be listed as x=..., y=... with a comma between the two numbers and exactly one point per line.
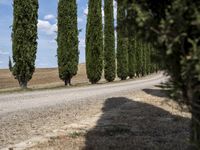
x=76, y=134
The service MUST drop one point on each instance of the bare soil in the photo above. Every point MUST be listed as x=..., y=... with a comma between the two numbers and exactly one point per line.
x=45, y=77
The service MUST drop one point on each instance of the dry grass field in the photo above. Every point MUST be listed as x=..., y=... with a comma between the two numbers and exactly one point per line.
x=42, y=78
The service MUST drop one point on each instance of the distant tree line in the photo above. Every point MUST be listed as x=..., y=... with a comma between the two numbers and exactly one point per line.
x=131, y=57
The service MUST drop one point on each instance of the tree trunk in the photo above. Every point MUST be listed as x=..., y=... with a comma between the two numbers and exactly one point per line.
x=93, y=82
x=131, y=77
x=66, y=82
x=123, y=78
x=70, y=81
x=23, y=84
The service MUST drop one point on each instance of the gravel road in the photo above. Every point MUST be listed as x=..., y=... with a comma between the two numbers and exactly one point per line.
x=29, y=114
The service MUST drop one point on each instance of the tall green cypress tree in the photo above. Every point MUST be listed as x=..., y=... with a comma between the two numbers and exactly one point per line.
x=122, y=44
x=94, y=41
x=138, y=55
x=151, y=62
x=131, y=43
x=131, y=58
x=148, y=60
x=143, y=50
x=109, y=42
x=68, y=53
x=137, y=58
x=10, y=64
x=24, y=38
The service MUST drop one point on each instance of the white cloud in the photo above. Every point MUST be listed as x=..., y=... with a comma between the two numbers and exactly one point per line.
x=86, y=11
x=49, y=17
x=47, y=27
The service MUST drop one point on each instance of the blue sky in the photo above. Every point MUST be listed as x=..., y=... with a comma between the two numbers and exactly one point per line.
x=47, y=46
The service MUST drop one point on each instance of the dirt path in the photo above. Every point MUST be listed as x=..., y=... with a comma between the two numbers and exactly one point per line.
x=137, y=121
x=35, y=114
x=18, y=101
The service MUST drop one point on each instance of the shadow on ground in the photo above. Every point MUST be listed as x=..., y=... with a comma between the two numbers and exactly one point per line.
x=158, y=92
x=129, y=125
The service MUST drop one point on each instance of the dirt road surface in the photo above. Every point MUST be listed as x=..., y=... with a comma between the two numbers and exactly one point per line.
x=34, y=114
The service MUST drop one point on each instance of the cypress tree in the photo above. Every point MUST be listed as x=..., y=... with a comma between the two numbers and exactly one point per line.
x=148, y=55
x=10, y=64
x=137, y=58
x=24, y=39
x=153, y=62
x=138, y=55
x=143, y=50
x=131, y=42
x=109, y=42
x=122, y=44
x=154, y=59
x=67, y=40
x=131, y=58
x=94, y=41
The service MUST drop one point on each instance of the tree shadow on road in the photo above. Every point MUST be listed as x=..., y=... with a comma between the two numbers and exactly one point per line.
x=163, y=93
x=129, y=125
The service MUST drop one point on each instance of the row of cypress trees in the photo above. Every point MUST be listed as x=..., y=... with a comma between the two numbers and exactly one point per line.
x=140, y=58
x=133, y=56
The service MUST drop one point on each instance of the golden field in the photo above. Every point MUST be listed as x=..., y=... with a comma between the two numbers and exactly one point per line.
x=42, y=78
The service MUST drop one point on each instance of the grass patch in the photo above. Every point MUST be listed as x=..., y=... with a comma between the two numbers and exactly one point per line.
x=75, y=134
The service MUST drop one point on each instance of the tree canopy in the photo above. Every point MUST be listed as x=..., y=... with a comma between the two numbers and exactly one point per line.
x=24, y=39
x=68, y=53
